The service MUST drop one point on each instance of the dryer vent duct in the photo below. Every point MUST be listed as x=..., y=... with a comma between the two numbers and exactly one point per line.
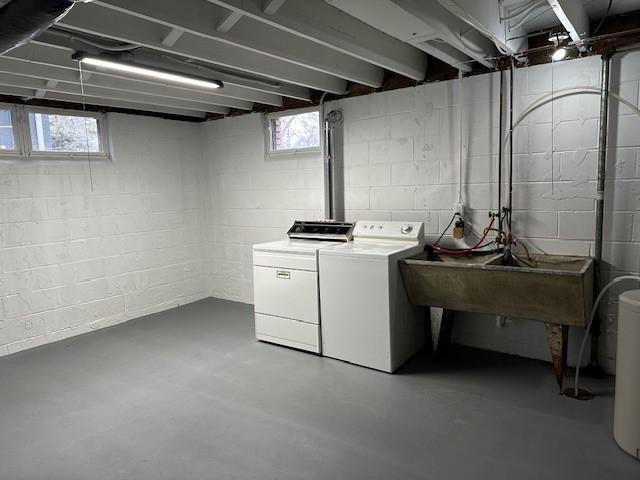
x=333, y=180
x=22, y=20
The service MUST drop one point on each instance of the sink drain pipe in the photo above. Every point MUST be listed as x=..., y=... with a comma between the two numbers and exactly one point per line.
x=602, y=168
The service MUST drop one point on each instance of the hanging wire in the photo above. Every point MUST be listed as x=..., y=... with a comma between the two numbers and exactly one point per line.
x=86, y=128
x=606, y=14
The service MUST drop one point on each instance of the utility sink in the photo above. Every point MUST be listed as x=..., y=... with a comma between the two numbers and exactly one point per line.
x=556, y=289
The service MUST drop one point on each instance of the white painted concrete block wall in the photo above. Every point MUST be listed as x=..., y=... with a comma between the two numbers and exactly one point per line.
x=74, y=260
x=401, y=163
x=253, y=199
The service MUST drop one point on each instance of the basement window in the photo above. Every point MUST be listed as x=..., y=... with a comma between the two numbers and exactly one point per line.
x=7, y=138
x=59, y=133
x=293, y=132
x=43, y=133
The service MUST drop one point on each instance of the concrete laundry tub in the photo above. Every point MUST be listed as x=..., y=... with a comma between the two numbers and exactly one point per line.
x=555, y=289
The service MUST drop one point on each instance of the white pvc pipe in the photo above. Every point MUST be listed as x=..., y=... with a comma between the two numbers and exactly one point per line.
x=563, y=93
x=593, y=314
x=541, y=101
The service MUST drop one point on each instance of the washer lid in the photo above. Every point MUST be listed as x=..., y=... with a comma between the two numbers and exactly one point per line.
x=366, y=249
x=293, y=246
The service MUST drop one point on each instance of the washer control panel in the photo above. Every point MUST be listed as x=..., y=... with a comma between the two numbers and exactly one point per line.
x=411, y=231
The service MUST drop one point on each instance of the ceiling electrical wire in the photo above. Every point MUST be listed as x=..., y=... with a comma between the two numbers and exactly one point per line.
x=445, y=230
x=86, y=128
x=606, y=14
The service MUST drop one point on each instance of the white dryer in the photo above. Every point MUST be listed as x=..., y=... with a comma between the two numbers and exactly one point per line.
x=366, y=316
x=285, y=284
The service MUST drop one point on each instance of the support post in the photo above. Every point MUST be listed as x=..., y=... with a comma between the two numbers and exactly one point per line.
x=602, y=167
x=557, y=336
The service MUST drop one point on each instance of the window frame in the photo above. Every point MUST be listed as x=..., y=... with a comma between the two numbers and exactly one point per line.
x=101, y=121
x=15, y=130
x=22, y=135
x=268, y=133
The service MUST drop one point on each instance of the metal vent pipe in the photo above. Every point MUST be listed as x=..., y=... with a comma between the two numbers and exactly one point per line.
x=330, y=122
x=23, y=20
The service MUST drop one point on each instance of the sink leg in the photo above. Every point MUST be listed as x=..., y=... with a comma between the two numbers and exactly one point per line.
x=441, y=327
x=557, y=336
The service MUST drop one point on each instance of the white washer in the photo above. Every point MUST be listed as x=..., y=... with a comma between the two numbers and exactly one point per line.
x=366, y=316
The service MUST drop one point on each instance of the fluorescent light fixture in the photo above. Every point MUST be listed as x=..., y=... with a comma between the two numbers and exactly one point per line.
x=559, y=54
x=168, y=76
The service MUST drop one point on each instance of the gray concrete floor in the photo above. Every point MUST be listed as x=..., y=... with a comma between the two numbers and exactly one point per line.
x=189, y=394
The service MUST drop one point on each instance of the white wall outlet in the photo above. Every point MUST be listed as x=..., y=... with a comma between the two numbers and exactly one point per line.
x=458, y=209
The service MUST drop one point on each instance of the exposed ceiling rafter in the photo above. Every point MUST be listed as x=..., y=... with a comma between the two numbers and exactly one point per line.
x=56, y=51
x=427, y=25
x=248, y=37
x=172, y=37
x=14, y=80
x=321, y=23
x=272, y=6
x=60, y=74
x=27, y=94
x=574, y=19
x=96, y=19
x=227, y=23
x=485, y=18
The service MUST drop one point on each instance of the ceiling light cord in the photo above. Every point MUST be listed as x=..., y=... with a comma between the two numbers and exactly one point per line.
x=86, y=128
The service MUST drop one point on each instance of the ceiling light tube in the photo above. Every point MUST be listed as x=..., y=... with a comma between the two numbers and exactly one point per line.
x=117, y=65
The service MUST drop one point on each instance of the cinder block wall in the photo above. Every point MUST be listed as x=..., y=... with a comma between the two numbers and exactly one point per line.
x=73, y=260
x=401, y=152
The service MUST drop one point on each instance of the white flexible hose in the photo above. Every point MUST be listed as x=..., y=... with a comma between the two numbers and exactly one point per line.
x=563, y=93
x=541, y=101
x=593, y=314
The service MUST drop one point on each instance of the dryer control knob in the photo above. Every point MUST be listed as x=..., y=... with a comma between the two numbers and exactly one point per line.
x=407, y=228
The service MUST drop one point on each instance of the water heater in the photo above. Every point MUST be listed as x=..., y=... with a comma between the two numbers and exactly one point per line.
x=626, y=423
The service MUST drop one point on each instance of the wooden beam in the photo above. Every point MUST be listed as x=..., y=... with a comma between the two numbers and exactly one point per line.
x=249, y=38
x=95, y=19
x=13, y=80
x=228, y=22
x=272, y=6
x=452, y=30
x=319, y=22
x=172, y=37
x=56, y=74
x=486, y=20
x=446, y=53
x=71, y=101
x=574, y=18
x=49, y=50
